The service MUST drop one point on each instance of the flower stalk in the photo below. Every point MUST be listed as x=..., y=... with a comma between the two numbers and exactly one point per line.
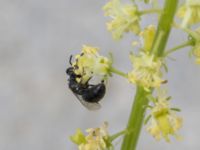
x=118, y=72
x=150, y=11
x=178, y=47
x=136, y=118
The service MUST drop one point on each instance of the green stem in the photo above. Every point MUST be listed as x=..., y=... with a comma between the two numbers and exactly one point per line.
x=135, y=120
x=115, y=136
x=137, y=115
x=185, y=44
x=164, y=27
x=118, y=72
x=150, y=11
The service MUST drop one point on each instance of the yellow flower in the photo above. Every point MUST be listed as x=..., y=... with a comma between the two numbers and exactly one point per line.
x=164, y=122
x=147, y=37
x=97, y=139
x=146, y=72
x=125, y=18
x=89, y=63
x=189, y=12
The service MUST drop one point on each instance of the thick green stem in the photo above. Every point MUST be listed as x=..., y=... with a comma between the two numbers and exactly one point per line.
x=135, y=120
x=164, y=27
x=137, y=115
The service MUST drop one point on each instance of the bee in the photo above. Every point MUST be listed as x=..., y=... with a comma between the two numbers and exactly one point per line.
x=89, y=95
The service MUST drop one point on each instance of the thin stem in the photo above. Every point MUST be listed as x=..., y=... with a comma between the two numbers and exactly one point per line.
x=118, y=72
x=115, y=136
x=178, y=47
x=137, y=115
x=150, y=11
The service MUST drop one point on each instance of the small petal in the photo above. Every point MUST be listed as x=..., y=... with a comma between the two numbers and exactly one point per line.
x=89, y=50
x=147, y=37
x=78, y=138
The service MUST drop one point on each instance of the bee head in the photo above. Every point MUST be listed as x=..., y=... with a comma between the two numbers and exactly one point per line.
x=70, y=71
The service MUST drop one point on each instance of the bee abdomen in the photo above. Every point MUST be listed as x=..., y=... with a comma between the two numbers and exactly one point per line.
x=95, y=93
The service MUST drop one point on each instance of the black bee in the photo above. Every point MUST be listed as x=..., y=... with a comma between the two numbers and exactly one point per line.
x=89, y=95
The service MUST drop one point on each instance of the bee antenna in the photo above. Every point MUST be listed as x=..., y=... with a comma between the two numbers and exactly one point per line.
x=70, y=60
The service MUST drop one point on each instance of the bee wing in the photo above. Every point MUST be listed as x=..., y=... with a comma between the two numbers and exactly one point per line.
x=89, y=106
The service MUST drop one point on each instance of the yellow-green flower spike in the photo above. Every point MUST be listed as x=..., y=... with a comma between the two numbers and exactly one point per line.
x=146, y=71
x=125, y=18
x=189, y=12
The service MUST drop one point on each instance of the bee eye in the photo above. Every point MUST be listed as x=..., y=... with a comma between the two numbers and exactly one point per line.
x=68, y=71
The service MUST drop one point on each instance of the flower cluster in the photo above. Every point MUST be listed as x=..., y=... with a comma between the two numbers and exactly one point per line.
x=146, y=71
x=190, y=12
x=89, y=63
x=125, y=18
x=97, y=139
x=164, y=121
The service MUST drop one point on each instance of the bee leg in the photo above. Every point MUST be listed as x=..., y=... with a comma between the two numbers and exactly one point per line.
x=70, y=60
x=88, y=80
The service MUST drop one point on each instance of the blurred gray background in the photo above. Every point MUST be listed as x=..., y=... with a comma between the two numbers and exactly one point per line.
x=39, y=112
